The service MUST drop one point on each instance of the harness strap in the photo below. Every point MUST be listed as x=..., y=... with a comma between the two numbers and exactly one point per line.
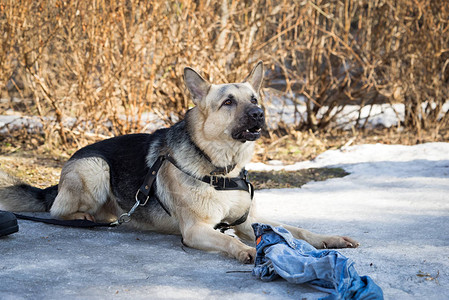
x=222, y=183
x=148, y=182
x=154, y=196
x=223, y=226
x=148, y=188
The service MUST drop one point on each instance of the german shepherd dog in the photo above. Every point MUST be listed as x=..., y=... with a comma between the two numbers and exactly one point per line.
x=199, y=181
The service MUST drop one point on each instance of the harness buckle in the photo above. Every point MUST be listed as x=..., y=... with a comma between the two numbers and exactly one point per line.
x=137, y=199
x=245, y=175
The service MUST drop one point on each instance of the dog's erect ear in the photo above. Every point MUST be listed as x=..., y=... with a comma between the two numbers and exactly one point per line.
x=197, y=85
x=255, y=78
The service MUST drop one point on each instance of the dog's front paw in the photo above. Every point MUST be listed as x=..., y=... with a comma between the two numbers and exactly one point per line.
x=247, y=256
x=79, y=216
x=339, y=242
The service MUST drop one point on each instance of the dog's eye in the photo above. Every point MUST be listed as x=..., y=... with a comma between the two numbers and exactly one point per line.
x=228, y=102
x=253, y=100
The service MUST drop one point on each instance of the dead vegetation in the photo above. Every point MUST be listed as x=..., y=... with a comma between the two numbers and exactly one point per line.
x=92, y=69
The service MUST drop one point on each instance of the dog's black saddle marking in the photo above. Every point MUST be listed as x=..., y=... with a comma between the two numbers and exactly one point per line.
x=148, y=188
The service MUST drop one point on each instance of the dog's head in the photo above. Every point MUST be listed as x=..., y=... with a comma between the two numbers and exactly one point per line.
x=230, y=111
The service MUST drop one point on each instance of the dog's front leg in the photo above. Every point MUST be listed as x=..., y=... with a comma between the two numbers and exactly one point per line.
x=319, y=241
x=204, y=237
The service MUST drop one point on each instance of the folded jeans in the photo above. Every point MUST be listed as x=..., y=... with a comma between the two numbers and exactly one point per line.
x=279, y=254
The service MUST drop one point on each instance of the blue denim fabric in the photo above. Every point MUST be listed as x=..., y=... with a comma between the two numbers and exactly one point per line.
x=279, y=254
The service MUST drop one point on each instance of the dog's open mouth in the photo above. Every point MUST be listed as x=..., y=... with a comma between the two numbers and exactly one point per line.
x=250, y=134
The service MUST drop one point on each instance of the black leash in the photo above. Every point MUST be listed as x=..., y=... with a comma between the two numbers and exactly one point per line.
x=68, y=223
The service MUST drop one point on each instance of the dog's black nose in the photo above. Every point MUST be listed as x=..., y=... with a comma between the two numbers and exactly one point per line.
x=256, y=113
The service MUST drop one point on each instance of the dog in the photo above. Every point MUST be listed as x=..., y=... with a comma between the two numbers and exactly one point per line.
x=197, y=180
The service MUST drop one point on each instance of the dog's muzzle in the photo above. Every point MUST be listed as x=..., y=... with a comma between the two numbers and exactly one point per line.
x=253, y=122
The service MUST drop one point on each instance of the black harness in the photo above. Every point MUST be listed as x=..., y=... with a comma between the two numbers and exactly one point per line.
x=148, y=189
x=241, y=183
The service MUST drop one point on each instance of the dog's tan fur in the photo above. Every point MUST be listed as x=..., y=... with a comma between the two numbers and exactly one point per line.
x=85, y=186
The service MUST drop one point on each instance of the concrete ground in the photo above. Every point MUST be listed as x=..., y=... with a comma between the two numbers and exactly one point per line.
x=51, y=262
x=396, y=206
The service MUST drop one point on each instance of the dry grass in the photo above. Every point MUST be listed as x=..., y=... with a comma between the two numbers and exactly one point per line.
x=40, y=171
x=91, y=69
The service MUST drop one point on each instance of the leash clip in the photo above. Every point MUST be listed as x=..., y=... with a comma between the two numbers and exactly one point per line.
x=126, y=217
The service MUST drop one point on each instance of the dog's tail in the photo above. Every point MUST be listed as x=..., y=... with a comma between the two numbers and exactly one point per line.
x=16, y=195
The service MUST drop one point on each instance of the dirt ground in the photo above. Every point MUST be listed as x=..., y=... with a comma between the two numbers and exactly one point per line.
x=29, y=158
x=43, y=171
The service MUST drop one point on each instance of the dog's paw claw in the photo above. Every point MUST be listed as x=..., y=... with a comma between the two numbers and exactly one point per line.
x=80, y=216
x=247, y=256
x=339, y=242
x=350, y=243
